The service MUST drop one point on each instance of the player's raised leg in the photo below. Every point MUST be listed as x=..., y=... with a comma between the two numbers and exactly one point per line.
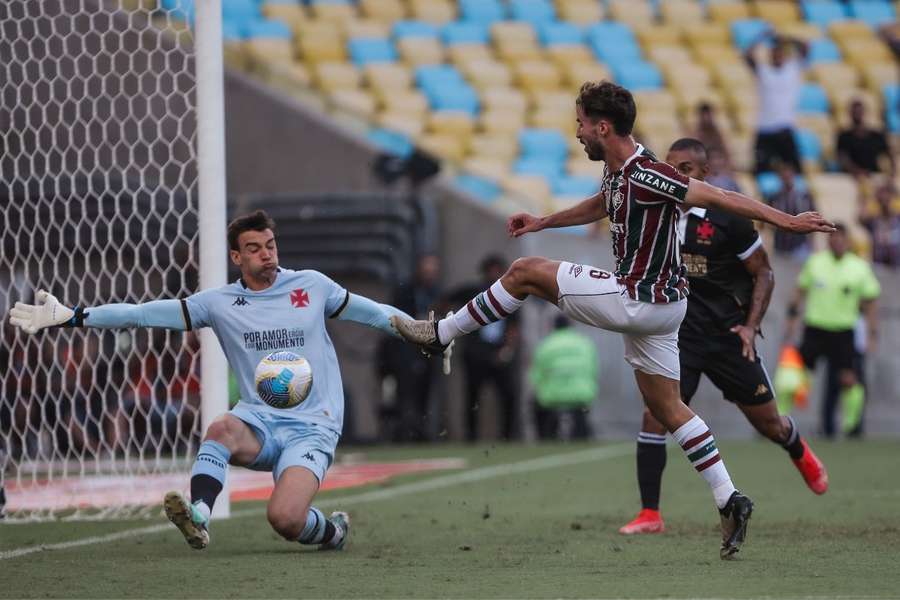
x=531, y=276
x=292, y=516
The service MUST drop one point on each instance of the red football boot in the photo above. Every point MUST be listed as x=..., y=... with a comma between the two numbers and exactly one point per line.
x=647, y=521
x=812, y=469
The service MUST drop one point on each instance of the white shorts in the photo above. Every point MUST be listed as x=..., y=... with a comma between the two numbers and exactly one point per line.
x=650, y=331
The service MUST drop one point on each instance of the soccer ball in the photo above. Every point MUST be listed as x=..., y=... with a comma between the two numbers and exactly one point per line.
x=283, y=379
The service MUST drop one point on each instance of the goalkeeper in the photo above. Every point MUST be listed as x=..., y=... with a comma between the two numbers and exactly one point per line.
x=267, y=309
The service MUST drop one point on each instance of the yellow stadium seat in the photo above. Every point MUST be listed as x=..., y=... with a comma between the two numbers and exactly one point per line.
x=536, y=75
x=734, y=75
x=501, y=122
x=335, y=12
x=585, y=12
x=289, y=13
x=516, y=50
x=267, y=50
x=403, y=122
x=707, y=33
x=315, y=27
x=487, y=165
x=879, y=74
x=727, y=11
x=319, y=48
x=822, y=126
x=355, y=101
x=800, y=30
x=512, y=31
x=649, y=34
x=365, y=28
x=576, y=73
x=667, y=54
x=443, y=145
x=564, y=121
x=836, y=195
x=560, y=100
x=834, y=75
x=661, y=101
x=294, y=74
x=745, y=120
x=504, y=99
x=632, y=12
x=689, y=98
x=461, y=53
x=713, y=54
x=681, y=12
x=742, y=153
x=383, y=77
x=849, y=30
x=433, y=11
x=685, y=75
x=486, y=73
x=383, y=10
x=582, y=165
x=777, y=12
x=420, y=51
x=566, y=54
x=329, y=76
x=747, y=183
x=862, y=52
x=531, y=186
x=452, y=122
x=500, y=147
x=410, y=102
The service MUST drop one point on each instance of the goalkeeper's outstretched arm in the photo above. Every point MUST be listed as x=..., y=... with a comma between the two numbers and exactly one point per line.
x=49, y=312
x=368, y=312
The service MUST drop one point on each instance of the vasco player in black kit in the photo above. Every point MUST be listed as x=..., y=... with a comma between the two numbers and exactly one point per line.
x=731, y=283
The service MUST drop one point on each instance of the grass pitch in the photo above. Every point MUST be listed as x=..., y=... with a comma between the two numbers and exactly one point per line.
x=540, y=531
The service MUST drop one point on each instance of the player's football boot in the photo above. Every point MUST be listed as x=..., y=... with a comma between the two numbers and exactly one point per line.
x=647, y=521
x=342, y=520
x=422, y=333
x=189, y=521
x=812, y=469
x=735, y=518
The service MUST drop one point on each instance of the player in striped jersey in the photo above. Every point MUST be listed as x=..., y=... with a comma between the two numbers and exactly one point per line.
x=645, y=297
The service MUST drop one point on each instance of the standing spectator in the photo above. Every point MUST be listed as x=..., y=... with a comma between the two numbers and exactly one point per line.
x=836, y=286
x=708, y=132
x=564, y=375
x=883, y=225
x=720, y=173
x=409, y=419
x=778, y=84
x=793, y=200
x=490, y=356
x=860, y=148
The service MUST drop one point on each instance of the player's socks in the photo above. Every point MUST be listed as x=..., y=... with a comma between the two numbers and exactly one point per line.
x=319, y=530
x=488, y=307
x=794, y=443
x=651, y=460
x=852, y=400
x=698, y=444
x=208, y=473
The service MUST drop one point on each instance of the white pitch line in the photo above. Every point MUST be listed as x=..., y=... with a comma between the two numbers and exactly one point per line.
x=525, y=466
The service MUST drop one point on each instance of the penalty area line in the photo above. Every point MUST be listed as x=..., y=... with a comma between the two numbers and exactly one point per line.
x=526, y=466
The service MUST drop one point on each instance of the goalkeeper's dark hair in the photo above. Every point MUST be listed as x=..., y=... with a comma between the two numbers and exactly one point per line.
x=255, y=221
x=691, y=144
x=606, y=100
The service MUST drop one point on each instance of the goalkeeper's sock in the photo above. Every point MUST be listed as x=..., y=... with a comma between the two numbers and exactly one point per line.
x=319, y=530
x=651, y=460
x=208, y=473
x=698, y=444
x=488, y=307
x=793, y=444
x=852, y=400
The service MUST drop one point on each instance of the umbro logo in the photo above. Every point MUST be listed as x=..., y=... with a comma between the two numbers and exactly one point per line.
x=240, y=301
x=309, y=457
x=761, y=390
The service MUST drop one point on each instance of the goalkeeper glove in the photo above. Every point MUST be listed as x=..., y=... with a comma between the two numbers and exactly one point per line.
x=46, y=312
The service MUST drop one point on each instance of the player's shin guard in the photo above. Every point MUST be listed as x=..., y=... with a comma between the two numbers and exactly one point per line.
x=318, y=529
x=488, y=307
x=208, y=474
x=651, y=460
x=698, y=444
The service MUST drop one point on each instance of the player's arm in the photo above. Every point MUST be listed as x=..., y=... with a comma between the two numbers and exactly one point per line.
x=751, y=49
x=757, y=264
x=705, y=195
x=368, y=312
x=794, y=310
x=587, y=211
x=49, y=312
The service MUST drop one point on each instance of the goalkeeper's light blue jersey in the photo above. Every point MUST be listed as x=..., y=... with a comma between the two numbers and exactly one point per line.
x=289, y=315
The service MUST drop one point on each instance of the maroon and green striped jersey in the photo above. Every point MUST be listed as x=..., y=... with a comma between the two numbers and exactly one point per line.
x=642, y=201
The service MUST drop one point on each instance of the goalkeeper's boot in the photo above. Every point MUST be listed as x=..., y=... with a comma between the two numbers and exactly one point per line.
x=735, y=518
x=812, y=469
x=647, y=521
x=342, y=520
x=189, y=521
x=422, y=333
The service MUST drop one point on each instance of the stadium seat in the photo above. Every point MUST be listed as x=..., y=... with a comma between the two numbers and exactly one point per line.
x=537, y=75
x=823, y=50
x=487, y=73
x=745, y=31
x=578, y=186
x=638, y=75
x=727, y=11
x=822, y=12
x=512, y=31
x=876, y=76
x=861, y=52
x=480, y=188
x=433, y=75
x=464, y=33
x=391, y=141
x=808, y=146
x=365, y=51
x=834, y=75
x=681, y=12
x=316, y=47
x=551, y=170
x=453, y=97
x=457, y=124
x=631, y=12
x=842, y=31
x=437, y=12
x=812, y=99
x=777, y=12
x=875, y=13
x=543, y=143
x=611, y=32
x=403, y=122
x=714, y=54
x=481, y=11
x=364, y=29
x=501, y=123
x=576, y=73
x=649, y=34
x=443, y=144
x=707, y=33
x=358, y=102
x=495, y=146
x=288, y=13
x=330, y=11
x=555, y=33
x=241, y=11
x=582, y=12
x=561, y=120
x=801, y=30
x=387, y=11
x=329, y=76
x=462, y=53
x=411, y=102
x=486, y=165
x=532, y=11
x=417, y=51
x=384, y=77
x=563, y=55
x=414, y=29
x=535, y=187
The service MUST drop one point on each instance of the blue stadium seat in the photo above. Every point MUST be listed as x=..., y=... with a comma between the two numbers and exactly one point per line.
x=808, y=145
x=823, y=50
x=822, y=12
x=549, y=168
x=873, y=12
x=769, y=183
x=414, y=29
x=240, y=11
x=612, y=52
x=365, y=51
x=431, y=76
x=481, y=11
x=576, y=186
x=638, y=75
x=533, y=11
x=479, y=187
x=612, y=32
x=551, y=34
x=391, y=141
x=464, y=33
x=891, y=99
x=813, y=99
x=548, y=144
x=180, y=9
x=745, y=31
x=267, y=28
x=231, y=31
x=456, y=97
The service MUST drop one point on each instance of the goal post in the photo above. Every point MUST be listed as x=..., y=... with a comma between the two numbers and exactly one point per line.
x=112, y=189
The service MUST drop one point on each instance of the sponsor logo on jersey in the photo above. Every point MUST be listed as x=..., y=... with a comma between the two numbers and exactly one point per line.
x=273, y=339
x=695, y=265
x=616, y=227
x=299, y=298
x=575, y=270
x=308, y=456
x=240, y=301
x=761, y=390
x=652, y=180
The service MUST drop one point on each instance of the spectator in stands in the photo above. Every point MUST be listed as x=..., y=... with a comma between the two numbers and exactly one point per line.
x=792, y=199
x=883, y=224
x=720, y=173
x=778, y=86
x=407, y=420
x=490, y=356
x=861, y=149
x=708, y=132
x=564, y=376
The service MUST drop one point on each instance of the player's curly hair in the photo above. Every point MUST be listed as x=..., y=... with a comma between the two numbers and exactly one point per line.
x=606, y=100
x=255, y=221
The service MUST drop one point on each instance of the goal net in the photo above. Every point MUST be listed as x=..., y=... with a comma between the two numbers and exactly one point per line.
x=98, y=204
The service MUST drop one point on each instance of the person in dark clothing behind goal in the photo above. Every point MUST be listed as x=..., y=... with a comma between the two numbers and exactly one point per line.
x=731, y=283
